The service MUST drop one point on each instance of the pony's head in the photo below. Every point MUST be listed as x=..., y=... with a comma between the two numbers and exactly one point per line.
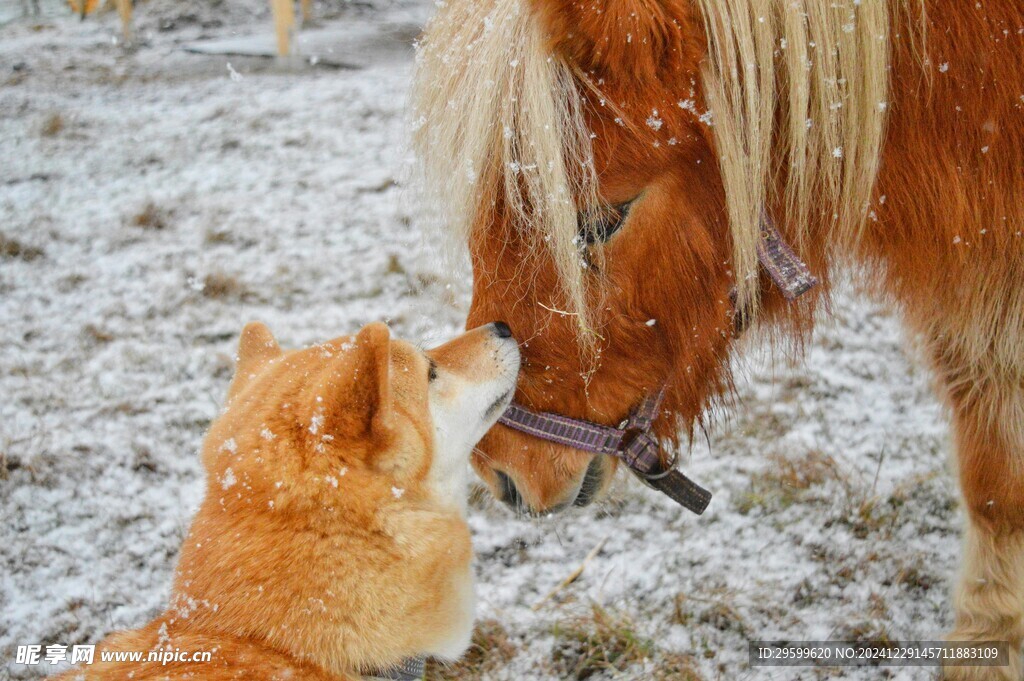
x=609, y=164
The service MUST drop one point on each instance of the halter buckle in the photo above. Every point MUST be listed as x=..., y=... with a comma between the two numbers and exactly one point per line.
x=642, y=455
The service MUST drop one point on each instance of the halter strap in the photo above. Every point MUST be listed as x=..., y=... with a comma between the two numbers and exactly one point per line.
x=785, y=268
x=633, y=442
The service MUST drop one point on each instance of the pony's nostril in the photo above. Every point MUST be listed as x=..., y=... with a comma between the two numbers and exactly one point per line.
x=508, y=492
x=501, y=330
x=592, y=482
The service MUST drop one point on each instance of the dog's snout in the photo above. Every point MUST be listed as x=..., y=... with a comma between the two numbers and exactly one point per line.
x=501, y=330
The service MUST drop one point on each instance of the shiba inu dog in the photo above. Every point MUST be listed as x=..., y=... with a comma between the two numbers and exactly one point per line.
x=332, y=541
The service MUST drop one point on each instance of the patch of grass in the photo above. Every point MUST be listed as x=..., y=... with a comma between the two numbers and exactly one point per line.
x=681, y=611
x=490, y=649
x=71, y=282
x=395, y=266
x=805, y=595
x=12, y=248
x=96, y=334
x=804, y=472
x=878, y=608
x=52, y=126
x=598, y=641
x=715, y=610
x=144, y=460
x=217, y=236
x=602, y=642
x=843, y=575
x=786, y=481
x=723, y=617
x=763, y=425
x=220, y=236
x=151, y=216
x=816, y=477
x=871, y=629
x=676, y=667
x=222, y=286
x=871, y=515
x=867, y=513
x=7, y=464
x=916, y=578
x=867, y=632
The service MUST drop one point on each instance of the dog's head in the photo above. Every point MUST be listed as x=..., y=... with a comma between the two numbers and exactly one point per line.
x=336, y=493
x=369, y=414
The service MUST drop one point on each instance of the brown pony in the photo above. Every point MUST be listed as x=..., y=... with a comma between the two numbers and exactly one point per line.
x=610, y=162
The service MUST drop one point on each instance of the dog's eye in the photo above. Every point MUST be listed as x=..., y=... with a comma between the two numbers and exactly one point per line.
x=597, y=225
x=432, y=372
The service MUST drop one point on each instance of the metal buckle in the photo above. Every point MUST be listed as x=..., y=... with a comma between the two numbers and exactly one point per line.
x=670, y=466
x=630, y=436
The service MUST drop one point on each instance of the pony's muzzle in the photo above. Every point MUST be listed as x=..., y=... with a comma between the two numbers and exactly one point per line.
x=593, y=482
x=588, y=490
x=508, y=493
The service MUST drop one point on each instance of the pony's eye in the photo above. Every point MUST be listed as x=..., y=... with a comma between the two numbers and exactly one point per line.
x=597, y=225
x=432, y=372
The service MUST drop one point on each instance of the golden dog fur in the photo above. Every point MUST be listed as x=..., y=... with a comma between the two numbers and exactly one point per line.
x=326, y=544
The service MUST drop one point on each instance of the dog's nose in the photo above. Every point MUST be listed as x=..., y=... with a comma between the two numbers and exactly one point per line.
x=501, y=330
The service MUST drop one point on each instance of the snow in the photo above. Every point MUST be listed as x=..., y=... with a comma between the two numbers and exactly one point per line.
x=168, y=202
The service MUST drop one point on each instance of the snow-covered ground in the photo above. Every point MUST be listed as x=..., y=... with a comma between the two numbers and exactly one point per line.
x=153, y=201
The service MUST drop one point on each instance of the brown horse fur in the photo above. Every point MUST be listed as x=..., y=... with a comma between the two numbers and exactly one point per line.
x=332, y=538
x=83, y=8
x=937, y=233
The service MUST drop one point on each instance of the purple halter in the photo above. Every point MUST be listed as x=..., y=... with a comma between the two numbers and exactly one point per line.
x=632, y=442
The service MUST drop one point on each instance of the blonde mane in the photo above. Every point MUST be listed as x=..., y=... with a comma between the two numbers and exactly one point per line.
x=798, y=91
x=804, y=84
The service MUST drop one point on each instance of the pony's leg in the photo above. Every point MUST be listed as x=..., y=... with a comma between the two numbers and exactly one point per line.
x=988, y=419
x=124, y=10
x=284, y=21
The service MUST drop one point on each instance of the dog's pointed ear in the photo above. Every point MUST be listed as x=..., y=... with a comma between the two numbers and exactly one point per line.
x=256, y=347
x=373, y=376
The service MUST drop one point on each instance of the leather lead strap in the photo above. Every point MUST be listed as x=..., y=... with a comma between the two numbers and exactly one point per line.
x=682, y=490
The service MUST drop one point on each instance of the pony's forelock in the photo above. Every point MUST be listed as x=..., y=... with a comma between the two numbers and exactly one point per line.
x=498, y=119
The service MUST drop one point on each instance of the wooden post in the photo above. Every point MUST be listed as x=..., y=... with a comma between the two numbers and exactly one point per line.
x=307, y=10
x=124, y=10
x=284, y=21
